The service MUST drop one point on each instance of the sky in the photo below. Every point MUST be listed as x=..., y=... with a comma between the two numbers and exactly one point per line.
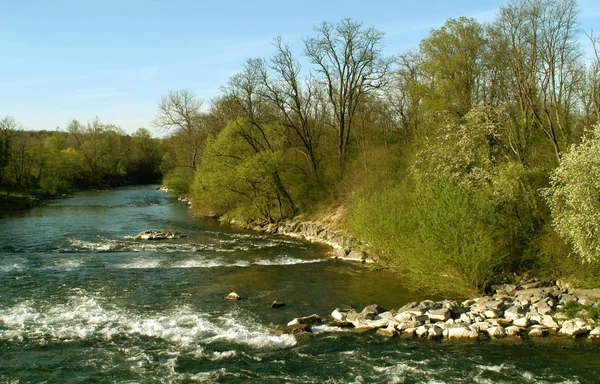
x=114, y=59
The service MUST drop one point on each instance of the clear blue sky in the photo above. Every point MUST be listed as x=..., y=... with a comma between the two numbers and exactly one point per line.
x=66, y=59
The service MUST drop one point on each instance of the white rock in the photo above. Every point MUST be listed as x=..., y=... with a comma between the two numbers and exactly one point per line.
x=513, y=331
x=537, y=331
x=435, y=332
x=595, y=333
x=461, y=333
x=404, y=316
x=496, y=332
x=422, y=331
x=521, y=322
x=233, y=296
x=549, y=322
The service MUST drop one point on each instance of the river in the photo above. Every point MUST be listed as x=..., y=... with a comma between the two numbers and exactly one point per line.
x=79, y=304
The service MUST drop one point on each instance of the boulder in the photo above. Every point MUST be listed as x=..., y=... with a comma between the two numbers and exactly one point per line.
x=357, y=256
x=297, y=328
x=537, y=331
x=548, y=322
x=514, y=312
x=522, y=322
x=464, y=332
x=575, y=328
x=155, y=235
x=595, y=333
x=341, y=314
x=496, y=332
x=513, y=331
x=310, y=320
x=422, y=331
x=370, y=311
x=233, y=296
x=387, y=332
x=441, y=314
x=435, y=333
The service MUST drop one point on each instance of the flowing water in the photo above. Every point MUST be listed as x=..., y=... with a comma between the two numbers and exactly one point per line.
x=79, y=304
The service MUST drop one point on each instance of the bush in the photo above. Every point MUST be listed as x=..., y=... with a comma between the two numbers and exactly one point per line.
x=54, y=185
x=574, y=200
x=442, y=237
x=179, y=180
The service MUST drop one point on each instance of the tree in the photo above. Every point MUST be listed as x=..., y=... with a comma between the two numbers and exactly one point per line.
x=256, y=120
x=295, y=101
x=7, y=126
x=452, y=66
x=180, y=114
x=539, y=42
x=573, y=198
x=350, y=63
x=103, y=147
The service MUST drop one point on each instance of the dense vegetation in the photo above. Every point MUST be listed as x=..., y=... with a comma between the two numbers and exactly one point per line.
x=34, y=164
x=471, y=159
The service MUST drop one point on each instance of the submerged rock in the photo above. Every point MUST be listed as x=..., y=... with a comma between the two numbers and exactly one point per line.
x=277, y=304
x=233, y=296
x=309, y=320
x=156, y=235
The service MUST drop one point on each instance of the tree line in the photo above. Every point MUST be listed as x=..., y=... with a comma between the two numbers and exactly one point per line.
x=453, y=161
x=90, y=155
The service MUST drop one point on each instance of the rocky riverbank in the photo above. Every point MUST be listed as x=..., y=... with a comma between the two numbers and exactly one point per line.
x=344, y=247
x=529, y=310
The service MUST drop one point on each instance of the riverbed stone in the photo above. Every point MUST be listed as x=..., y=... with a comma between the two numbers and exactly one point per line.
x=441, y=314
x=387, y=332
x=435, y=333
x=422, y=331
x=341, y=314
x=496, y=332
x=522, y=322
x=514, y=312
x=575, y=328
x=513, y=331
x=537, y=331
x=464, y=332
x=595, y=333
x=297, y=328
x=233, y=296
x=310, y=320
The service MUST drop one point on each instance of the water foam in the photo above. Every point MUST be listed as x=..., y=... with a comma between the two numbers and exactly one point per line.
x=86, y=317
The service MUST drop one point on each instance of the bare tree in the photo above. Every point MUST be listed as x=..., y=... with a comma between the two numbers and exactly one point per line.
x=255, y=116
x=294, y=99
x=350, y=62
x=543, y=58
x=179, y=113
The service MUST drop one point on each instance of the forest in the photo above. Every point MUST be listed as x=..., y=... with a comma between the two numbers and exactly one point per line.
x=472, y=159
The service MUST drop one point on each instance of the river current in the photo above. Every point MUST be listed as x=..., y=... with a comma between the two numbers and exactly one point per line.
x=79, y=304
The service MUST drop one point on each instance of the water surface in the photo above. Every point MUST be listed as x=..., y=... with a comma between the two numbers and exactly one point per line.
x=80, y=304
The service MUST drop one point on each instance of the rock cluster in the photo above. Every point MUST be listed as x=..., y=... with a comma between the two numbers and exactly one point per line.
x=511, y=312
x=345, y=247
x=155, y=235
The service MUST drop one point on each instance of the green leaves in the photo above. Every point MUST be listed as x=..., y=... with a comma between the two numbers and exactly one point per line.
x=574, y=198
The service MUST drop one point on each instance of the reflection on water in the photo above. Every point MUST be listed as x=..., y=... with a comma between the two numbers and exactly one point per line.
x=78, y=303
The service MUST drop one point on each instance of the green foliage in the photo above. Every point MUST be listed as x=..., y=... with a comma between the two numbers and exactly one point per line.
x=179, y=180
x=443, y=237
x=574, y=309
x=52, y=185
x=236, y=176
x=574, y=200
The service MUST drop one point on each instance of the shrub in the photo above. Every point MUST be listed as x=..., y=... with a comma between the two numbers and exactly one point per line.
x=440, y=235
x=574, y=198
